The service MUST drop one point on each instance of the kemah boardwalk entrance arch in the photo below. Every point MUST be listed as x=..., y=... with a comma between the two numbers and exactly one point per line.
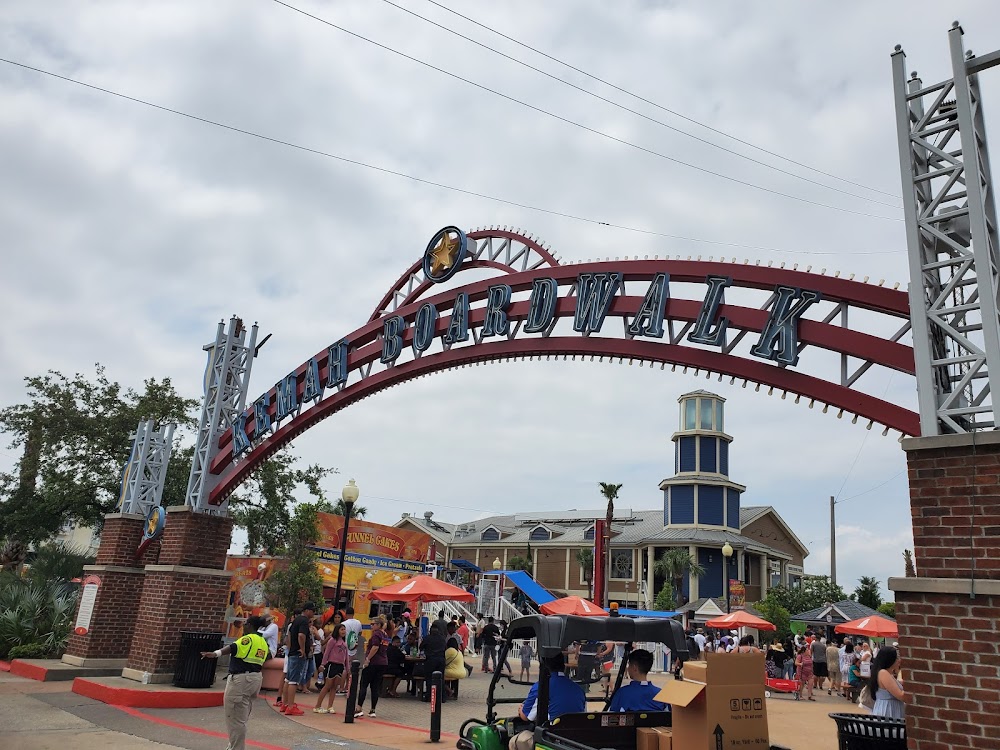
x=814, y=337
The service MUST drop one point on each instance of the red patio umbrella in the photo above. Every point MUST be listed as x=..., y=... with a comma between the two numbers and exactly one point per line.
x=739, y=619
x=421, y=589
x=873, y=627
x=573, y=605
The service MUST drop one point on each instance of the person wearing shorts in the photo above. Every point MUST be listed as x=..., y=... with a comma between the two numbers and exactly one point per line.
x=335, y=666
x=820, y=673
x=299, y=658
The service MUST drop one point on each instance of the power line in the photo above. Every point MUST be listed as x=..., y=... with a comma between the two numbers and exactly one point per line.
x=568, y=121
x=636, y=112
x=660, y=106
x=421, y=180
x=872, y=489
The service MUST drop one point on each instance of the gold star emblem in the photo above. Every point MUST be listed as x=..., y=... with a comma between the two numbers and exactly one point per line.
x=444, y=253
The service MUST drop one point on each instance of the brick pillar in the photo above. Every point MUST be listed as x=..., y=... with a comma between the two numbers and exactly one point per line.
x=106, y=644
x=186, y=590
x=948, y=614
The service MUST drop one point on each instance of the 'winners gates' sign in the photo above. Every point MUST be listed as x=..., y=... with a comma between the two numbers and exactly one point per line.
x=414, y=332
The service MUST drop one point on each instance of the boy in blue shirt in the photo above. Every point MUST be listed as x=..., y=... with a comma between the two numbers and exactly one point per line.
x=565, y=697
x=640, y=694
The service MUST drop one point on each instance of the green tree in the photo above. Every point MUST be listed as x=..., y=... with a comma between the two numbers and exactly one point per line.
x=673, y=565
x=299, y=581
x=264, y=509
x=610, y=493
x=888, y=609
x=339, y=509
x=815, y=591
x=664, y=601
x=74, y=437
x=55, y=562
x=519, y=562
x=585, y=557
x=868, y=593
x=777, y=615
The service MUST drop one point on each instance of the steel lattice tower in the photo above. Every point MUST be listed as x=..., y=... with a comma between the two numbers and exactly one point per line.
x=951, y=237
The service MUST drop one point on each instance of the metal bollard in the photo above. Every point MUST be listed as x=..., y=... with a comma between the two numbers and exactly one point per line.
x=437, y=693
x=352, y=692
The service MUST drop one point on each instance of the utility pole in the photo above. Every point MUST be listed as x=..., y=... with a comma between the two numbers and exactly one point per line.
x=833, y=540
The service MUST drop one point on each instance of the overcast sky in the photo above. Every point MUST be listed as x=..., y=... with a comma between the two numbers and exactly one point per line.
x=128, y=232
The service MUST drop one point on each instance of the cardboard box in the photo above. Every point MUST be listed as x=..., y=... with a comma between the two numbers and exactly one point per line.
x=653, y=738
x=720, y=704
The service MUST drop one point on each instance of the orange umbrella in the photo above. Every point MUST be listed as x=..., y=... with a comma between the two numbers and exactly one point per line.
x=421, y=589
x=739, y=619
x=573, y=605
x=873, y=627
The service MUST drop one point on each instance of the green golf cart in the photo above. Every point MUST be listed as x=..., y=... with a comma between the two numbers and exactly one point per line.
x=594, y=728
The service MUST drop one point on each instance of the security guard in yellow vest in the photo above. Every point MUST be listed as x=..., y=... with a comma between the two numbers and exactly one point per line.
x=247, y=656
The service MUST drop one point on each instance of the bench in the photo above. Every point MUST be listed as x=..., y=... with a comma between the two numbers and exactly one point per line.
x=866, y=732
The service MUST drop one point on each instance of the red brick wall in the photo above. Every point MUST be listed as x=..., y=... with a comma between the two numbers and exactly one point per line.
x=172, y=602
x=195, y=539
x=948, y=639
x=120, y=538
x=951, y=668
x=113, y=621
x=941, y=493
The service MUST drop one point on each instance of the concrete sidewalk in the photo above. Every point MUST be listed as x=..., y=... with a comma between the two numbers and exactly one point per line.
x=48, y=716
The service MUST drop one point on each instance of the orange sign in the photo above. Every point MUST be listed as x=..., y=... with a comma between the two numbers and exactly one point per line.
x=373, y=539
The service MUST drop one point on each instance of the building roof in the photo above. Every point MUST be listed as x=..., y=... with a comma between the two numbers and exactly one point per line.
x=630, y=529
x=840, y=612
x=720, y=604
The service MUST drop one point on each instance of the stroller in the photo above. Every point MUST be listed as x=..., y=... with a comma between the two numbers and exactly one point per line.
x=774, y=682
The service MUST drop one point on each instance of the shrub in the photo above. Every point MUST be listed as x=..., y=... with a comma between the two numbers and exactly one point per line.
x=32, y=612
x=29, y=651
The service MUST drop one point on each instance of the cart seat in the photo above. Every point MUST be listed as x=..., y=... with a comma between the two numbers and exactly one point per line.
x=603, y=729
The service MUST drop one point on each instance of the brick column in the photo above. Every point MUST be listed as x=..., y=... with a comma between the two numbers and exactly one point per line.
x=948, y=614
x=185, y=590
x=106, y=644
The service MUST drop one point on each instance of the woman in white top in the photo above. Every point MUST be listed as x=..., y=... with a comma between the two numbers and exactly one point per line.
x=318, y=635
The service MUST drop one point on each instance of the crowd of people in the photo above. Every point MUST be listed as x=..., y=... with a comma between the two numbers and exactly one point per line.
x=844, y=668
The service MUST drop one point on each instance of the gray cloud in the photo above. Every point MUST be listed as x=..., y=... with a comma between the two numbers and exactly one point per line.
x=128, y=233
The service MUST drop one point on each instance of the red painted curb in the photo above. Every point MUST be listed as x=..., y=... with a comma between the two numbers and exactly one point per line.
x=189, y=728
x=136, y=698
x=383, y=722
x=4, y=666
x=31, y=671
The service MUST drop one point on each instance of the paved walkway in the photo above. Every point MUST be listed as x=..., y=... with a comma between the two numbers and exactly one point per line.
x=47, y=716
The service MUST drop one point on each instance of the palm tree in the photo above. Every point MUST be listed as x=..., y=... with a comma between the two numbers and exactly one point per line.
x=338, y=509
x=673, y=565
x=610, y=491
x=585, y=557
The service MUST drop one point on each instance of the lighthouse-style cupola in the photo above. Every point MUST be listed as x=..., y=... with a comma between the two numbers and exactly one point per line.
x=700, y=493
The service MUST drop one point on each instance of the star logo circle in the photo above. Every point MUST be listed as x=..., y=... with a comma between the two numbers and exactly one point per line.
x=444, y=254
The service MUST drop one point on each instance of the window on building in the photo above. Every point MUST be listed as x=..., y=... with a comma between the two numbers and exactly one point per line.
x=719, y=421
x=621, y=564
x=589, y=533
x=540, y=534
x=707, y=409
x=490, y=535
x=691, y=414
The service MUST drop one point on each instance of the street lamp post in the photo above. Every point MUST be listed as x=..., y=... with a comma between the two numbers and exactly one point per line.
x=350, y=496
x=727, y=553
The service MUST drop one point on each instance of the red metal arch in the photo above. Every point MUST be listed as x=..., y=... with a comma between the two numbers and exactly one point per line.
x=366, y=347
x=423, y=286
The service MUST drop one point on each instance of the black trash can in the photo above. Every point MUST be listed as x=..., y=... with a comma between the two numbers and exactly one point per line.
x=867, y=732
x=191, y=670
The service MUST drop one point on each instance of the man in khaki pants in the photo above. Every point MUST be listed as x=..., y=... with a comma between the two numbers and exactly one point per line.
x=247, y=656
